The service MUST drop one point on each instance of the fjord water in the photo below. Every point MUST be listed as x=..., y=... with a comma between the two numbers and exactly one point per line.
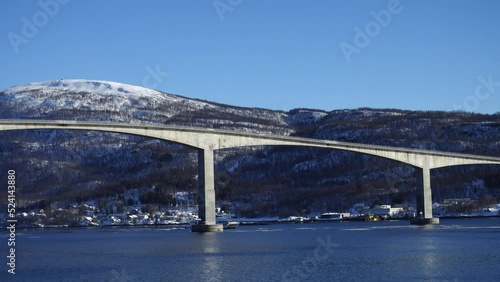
x=455, y=250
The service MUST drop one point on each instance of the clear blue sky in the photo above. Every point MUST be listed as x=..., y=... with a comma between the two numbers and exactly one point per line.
x=278, y=54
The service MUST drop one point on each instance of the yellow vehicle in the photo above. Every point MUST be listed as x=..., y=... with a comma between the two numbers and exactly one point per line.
x=371, y=217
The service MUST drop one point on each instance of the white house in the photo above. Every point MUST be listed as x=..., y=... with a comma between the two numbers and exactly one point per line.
x=385, y=210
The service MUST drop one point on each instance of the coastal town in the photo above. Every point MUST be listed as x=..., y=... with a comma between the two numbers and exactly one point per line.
x=128, y=211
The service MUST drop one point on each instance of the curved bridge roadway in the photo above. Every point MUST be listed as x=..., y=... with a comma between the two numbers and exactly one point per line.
x=207, y=140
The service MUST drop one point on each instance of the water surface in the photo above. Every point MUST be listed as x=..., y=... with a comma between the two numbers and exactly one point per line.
x=455, y=250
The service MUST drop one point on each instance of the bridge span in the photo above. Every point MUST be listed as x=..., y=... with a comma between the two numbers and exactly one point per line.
x=206, y=140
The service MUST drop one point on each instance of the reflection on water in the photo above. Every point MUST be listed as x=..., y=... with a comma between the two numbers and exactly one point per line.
x=428, y=263
x=212, y=260
x=455, y=250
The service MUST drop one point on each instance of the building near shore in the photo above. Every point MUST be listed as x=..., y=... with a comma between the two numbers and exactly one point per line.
x=385, y=210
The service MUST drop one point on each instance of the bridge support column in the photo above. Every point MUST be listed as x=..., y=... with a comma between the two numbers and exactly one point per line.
x=424, y=198
x=206, y=193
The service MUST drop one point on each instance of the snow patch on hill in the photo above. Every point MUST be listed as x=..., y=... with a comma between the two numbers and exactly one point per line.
x=81, y=85
x=117, y=102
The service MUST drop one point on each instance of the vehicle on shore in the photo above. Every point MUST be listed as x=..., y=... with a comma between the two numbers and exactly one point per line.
x=331, y=216
x=487, y=212
x=298, y=219
x=372, y=217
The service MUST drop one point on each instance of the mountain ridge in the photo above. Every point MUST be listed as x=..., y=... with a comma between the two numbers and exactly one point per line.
x=60, y=166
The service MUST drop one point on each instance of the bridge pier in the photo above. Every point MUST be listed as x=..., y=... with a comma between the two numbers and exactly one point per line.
x=206, y=193
x=424, y=198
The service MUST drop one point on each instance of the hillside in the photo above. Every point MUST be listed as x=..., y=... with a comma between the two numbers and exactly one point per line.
x=66, y=166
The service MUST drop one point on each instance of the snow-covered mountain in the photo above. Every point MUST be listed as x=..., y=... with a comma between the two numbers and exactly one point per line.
x=69, y=165
x=112, y=101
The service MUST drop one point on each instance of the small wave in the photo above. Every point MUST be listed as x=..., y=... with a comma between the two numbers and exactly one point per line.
x=257, y=230
x=469, y=227
x=171, y=229
x=395, y=227
x=306, y=228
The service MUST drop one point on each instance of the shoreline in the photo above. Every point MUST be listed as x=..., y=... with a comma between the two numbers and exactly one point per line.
x=243, y=223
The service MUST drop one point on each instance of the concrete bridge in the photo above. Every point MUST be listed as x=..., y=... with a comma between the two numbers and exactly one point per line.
x=207, y=140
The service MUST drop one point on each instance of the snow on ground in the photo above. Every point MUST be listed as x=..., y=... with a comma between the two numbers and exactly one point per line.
x=81, y=85
x=97, y=95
